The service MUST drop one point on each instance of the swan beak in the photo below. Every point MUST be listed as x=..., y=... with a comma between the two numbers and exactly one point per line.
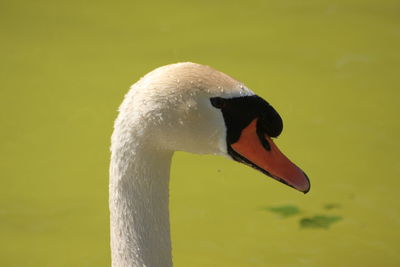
x=259, y=151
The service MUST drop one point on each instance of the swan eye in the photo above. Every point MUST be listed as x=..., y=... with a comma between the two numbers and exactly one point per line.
x=218, y=102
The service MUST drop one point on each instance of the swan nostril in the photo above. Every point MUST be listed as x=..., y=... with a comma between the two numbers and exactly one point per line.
x=262, y=135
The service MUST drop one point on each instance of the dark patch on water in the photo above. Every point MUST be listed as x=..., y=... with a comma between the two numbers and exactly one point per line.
x=319, y=221
x=310, y=222
x=331, y=206
x=285, y=211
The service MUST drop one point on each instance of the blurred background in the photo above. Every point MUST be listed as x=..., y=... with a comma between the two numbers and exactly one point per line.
x=331, y=68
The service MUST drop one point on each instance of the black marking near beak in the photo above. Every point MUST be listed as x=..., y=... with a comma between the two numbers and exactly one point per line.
x=251, y=122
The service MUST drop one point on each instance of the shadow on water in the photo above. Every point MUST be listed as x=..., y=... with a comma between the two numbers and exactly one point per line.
x=284, y=211
x=319, y=221
x=331, y=206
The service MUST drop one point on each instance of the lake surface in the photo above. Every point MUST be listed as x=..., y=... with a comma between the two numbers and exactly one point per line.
x=331, y=69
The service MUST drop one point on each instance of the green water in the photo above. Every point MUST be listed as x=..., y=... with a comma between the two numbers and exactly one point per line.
x=331, y=68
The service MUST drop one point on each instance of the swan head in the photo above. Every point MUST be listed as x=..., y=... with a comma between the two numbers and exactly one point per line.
x=195, y=108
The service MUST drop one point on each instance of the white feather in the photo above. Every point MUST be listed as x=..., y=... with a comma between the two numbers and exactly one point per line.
x=169, y=109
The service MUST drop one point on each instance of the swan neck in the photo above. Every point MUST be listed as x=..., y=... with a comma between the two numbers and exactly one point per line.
x=139, y=206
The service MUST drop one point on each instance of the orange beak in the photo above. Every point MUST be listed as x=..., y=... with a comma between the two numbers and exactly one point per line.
x=272, y=161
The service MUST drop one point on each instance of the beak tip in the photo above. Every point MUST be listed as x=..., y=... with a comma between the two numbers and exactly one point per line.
x=305, y=191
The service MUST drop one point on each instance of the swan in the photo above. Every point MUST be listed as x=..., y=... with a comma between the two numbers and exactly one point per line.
x=186, y=107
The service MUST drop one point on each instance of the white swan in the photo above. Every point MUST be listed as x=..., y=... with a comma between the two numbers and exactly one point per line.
x=187, y=107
